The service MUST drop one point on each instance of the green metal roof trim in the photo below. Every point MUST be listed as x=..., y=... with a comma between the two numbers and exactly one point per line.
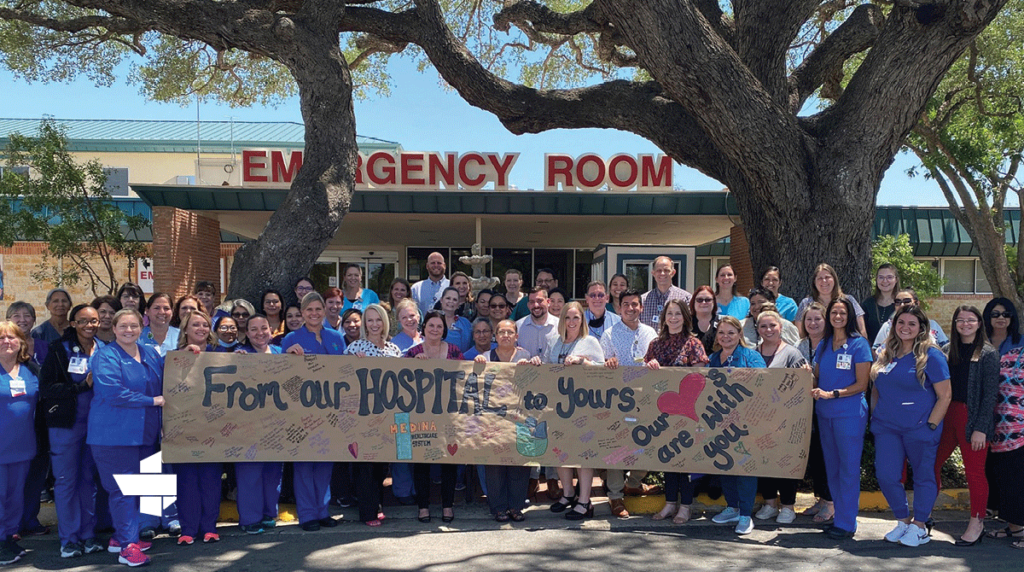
x=455, y=202
x=933, y=230
x=151, y=136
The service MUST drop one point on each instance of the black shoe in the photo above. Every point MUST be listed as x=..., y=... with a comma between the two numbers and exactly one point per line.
x=38, y=530
x=962, y=542
x=836, y=533
x=577, y=515
x=8, y=554
x=446, y=518
x=311, y=526
x=423, y=519
x=147, y=533
x=502, y=517
x=929, y=524
x=328, y=522
x=563, y=503
x=516, y=515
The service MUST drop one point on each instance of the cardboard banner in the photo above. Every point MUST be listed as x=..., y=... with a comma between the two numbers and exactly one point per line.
x=228, y=407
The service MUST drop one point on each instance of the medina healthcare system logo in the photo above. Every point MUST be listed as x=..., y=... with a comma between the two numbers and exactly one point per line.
x=156, y=491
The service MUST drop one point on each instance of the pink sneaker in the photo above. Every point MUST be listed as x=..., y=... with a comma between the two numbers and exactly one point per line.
x=211, y=537
x=132, y=556
x=185, y=539
x=115, y=546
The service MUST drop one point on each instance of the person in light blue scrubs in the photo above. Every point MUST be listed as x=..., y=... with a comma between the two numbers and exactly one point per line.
x=729, y=302
x=842, y=363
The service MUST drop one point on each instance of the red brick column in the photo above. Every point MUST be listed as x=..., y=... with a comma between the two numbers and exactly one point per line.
x=186, y=248
x=739, y=258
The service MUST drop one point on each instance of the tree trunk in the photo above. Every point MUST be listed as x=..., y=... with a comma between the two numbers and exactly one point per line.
x=990, y=242
x=321, y=193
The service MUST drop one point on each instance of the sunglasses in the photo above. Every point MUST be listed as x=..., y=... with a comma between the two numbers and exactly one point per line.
x=498, y=306
x=1006, y=314
x=904, y=300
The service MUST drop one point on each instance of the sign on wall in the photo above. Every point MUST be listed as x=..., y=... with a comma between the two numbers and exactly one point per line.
x=144, y=274
x=230, y=407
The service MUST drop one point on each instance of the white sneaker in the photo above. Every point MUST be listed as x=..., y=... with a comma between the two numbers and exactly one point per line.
x=915, y=536
x=745, y=525
x=786, y=516
x=767, y=511
x=728, y=515
x=897, y=533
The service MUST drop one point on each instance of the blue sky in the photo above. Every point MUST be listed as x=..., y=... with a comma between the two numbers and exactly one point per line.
x=420, y=114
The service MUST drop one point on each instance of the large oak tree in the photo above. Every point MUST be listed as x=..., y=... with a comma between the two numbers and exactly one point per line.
x=717, y=85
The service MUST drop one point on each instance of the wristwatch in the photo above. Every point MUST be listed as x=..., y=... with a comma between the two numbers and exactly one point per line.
x=835, y=394
x=932, y=426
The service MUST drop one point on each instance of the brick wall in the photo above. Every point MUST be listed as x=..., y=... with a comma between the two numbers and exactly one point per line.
x=21, y=260
x=941, y=309
x=739, y=258
x=186, y=248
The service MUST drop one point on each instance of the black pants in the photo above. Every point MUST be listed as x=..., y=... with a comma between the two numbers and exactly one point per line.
x=816, y=464
x=369, y=481
x=782, y=489
x=506, y=487
x=1008, y=468
x=421, y=478
x=678, y=486
x=342, y=481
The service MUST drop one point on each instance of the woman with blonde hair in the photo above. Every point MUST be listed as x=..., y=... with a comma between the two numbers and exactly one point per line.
x=908, y=403
x=825, y=289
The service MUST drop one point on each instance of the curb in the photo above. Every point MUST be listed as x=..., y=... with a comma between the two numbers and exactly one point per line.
x=870, y=501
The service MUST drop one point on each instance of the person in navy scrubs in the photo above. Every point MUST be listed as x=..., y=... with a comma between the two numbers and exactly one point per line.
x=313, y=479
x=19, y=391
x=908, y=403
x=124, y=424
x=65, y=394
x=842, y=364
x=198, y=483
x=259, y=483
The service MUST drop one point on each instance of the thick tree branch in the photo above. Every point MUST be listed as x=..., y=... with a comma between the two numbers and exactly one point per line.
x=531, y=16
x=719, y=22
x=853, y=36
x=764, y=33
x=697, y=69
x=112, y=28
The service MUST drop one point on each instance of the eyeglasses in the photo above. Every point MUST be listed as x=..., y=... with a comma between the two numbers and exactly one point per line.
x=885, y=278
x=239, y=314
x=92, y=322
x=1006, y=314
x=596, y=295
x=227, y=329
x=704, y=300
x=965, y=321
x=904, y=300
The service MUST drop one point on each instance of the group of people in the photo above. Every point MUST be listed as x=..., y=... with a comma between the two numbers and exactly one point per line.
x=80, y=397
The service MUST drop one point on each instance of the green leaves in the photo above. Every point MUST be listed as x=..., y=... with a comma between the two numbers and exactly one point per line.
x=65, y=204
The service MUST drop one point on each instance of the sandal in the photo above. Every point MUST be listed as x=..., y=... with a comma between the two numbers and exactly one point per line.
x=670, y=507
x=814, y=509
x=373, y=523
x=501, y=517
x=1005, y=533
x=826, y=514
x=683, y=516
x=516, y=515
x=1019, y=545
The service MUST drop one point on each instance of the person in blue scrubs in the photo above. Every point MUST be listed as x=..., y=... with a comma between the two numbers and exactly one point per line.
x=160, y=333
x=908, y=403
x=729, y=302
x=739, y=490
x=771, y=279
x=19, y=392
x=124, y=424
x=198, y=483
x=842, y=364
x=460, y=331
x=313, y=479
x=65, y=393
x=259, y=483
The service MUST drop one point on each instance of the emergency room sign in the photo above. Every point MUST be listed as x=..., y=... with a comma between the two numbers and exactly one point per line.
x=423, y=170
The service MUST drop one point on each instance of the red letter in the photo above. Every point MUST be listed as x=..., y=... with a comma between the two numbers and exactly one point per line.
x=581, y=164
x=280, y=173
x=613, y=175
x=560, y=166
x=438, y=172
x=359, y=169
x=388, y=169
x=502, y=168
x=411, y=163
x=475, y=182
x=655, y=178
x=249, y=165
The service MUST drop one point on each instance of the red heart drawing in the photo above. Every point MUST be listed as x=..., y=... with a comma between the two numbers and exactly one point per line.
x=354, y=449
x=452, y=448
x=685, y=402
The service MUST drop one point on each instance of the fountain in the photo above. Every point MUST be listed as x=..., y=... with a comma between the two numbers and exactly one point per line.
x=477, y=262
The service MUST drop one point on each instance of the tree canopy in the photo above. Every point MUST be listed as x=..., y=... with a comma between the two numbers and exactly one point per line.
x=716, y=85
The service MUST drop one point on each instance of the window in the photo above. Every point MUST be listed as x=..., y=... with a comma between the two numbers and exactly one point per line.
x=964, y=276
x=704, y=270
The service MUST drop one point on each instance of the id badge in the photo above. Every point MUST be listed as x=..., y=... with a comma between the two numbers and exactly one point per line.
x=654, y=319
x=844, y=361
x=78, y=365
x=889, y=367
x=17, y=387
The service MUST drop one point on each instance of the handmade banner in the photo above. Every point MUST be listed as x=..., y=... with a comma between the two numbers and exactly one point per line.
x=234, y=407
